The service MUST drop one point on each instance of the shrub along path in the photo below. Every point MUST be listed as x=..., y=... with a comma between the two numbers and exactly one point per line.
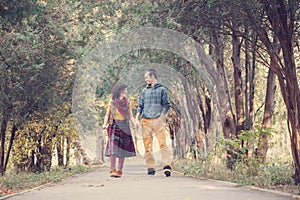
x=135, y=185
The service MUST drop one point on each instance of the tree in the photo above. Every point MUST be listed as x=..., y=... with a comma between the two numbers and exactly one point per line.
x=281, y=16
x=35, y=71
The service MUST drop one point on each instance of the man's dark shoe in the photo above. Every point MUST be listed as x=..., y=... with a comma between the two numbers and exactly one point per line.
x=167, y=170
x=151, y=171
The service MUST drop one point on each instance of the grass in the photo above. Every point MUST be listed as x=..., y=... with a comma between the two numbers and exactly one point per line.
x=13, y=183
x=275, y=175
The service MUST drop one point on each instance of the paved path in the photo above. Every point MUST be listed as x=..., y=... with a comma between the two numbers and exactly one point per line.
x=136, y=185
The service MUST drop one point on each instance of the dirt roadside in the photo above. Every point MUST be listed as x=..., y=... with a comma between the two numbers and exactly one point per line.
x=135, y=184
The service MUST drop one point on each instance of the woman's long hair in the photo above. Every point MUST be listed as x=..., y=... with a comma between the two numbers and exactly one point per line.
x=117, y=89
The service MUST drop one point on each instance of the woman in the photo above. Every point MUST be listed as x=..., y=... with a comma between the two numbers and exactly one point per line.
x=116, y=125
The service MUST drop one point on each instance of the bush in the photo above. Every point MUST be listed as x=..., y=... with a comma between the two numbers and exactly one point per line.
x=243, y=173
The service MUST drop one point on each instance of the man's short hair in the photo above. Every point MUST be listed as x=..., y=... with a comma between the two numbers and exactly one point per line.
x=152, y=72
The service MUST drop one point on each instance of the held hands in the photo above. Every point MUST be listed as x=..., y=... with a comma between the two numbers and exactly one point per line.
x=136, y=123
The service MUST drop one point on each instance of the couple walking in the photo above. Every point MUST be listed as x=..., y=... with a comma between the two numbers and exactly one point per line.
x=153, y=106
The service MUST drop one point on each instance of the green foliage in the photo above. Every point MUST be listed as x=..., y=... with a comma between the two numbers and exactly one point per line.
x=39, y=47
x=243, y=173
x=36, y=141
x=253, y=135
x=245, y=136
x=280, y=173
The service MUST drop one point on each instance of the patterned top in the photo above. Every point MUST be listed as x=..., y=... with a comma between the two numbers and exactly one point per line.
x=153, y=101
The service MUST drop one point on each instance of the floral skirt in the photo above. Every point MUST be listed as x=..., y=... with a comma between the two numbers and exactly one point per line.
x=120, y=141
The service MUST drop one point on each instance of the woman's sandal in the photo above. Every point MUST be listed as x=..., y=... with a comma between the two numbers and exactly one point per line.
x=119, y=173
x=113, y=172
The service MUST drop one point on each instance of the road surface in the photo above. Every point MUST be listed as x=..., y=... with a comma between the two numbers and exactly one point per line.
x=136, y=185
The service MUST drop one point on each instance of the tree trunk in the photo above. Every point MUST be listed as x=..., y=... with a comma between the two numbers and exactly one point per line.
x=247, y=87
x=31, y=160
x=267, y=118
x=60, y=150
x=68, y=148
x=174, y=124
x=11, y=141
x=291, y=90
x=81, y=152
x=202, y=138
x=2, y=148
x=269, y=105
x=238, y=91
x=293, y=106
x=44, y=154
x=249, y=90
x=47, y=154
x=251, y=85
x=39, y=154
x=193, y=112
x=281, y=15
x=229, y=125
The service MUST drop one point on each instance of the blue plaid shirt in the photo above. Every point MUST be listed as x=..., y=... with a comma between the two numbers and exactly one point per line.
x=154, y=101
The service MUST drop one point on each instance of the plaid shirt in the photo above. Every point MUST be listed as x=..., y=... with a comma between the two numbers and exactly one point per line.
x=154, y=101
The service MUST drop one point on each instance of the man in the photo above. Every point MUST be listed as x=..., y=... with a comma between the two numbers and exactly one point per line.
x=153, y=106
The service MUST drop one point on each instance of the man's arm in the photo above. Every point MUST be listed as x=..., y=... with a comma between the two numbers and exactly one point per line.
x=139, y=110
x=165, y=102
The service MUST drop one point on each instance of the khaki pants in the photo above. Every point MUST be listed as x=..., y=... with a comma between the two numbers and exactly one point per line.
x=158, y=127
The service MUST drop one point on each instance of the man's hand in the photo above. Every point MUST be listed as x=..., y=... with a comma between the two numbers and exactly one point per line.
x=162, y=117
x=137, y=123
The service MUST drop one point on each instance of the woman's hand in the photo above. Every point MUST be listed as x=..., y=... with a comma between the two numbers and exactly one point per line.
x=104, y=128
